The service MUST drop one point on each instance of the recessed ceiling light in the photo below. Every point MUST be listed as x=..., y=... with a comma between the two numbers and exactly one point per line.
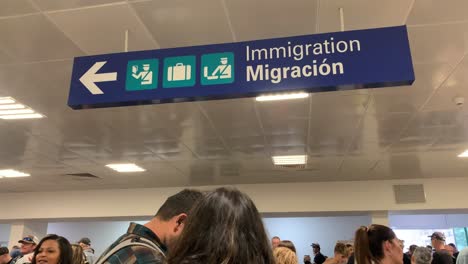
x=12, y=106
x=12, y=173
x=290, y=160
x=276, y=97
x=125, y=167
x=464, y=154
x=21, y=116
x=7, y=100
x=11, y=109
x=16, y=111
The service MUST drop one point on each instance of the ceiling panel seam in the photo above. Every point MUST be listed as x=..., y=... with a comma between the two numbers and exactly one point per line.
x=410, y=121
x=265, y=141
x=228, y=18
x=355, y=133
x=410, y=8
x=5, y=51
x=39, y=61
x=145, y=28
x=309, y=123
x=80, y=8
x=448, y=23
x=190, y=149
x=168, y=162
x=218, y=135
x=317, y=20
x=57, y=26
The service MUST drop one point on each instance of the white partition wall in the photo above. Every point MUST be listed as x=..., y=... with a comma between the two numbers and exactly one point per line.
x=4, y=234
x=428, y=221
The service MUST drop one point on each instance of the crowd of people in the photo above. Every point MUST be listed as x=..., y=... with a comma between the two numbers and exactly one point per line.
x=223, y=226
x=51, y=249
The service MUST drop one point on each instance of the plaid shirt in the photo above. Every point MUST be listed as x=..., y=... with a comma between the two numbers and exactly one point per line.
x=136, y=254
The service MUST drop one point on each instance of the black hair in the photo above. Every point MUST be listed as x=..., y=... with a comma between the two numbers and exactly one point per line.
x=64, y=247
x=368, y=244
x=224, y=227
x=4, y=250
x=178, y=203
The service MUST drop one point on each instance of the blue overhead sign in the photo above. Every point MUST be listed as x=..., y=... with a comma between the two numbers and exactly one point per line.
x=358, y=59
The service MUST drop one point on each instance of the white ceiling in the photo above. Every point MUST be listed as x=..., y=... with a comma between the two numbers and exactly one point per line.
x=390, y=133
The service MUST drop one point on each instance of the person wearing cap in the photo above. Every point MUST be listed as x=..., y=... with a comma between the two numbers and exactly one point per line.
x=28, y=244
x=319, y=258
x=440, y=255
x=85, y=244
x=5, y=257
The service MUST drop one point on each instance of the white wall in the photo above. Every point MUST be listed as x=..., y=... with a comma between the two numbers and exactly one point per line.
x=4, y=234
x=101, y=234
x=363, y=196
x=428, y=221
x=303, y=231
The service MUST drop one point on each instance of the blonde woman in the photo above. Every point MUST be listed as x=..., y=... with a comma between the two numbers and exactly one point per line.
x=341, y=255
x=284, y=255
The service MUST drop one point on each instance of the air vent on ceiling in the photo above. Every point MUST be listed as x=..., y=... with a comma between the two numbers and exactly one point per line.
x=82, y=176
x=411, y=193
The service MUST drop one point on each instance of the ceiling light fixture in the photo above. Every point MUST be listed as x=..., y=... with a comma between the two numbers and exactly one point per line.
x=7, y=100
x=290, y=160
x=16, y=111
x=464, y=154
x=22, y=116
x=125, y=167
x=12, y=106
x=286, y=96
x=11, y=109
x=13, y=173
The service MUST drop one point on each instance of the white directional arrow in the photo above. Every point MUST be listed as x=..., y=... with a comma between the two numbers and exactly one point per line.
x=91, y=77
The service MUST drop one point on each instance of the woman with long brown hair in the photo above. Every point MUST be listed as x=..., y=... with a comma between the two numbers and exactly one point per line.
x=78, y=256
x=224, y=227
x=377, y=244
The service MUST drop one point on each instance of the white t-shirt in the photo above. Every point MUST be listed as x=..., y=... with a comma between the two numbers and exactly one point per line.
x=26, y=259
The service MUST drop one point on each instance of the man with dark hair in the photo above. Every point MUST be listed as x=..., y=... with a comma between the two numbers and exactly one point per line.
x=411, y=250
x=440, y=256
x=319, y=258
x=454, y=249
x=5, y=257
x=149, y=243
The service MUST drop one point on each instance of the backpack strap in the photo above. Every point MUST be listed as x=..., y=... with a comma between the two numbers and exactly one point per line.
x=128, y=242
